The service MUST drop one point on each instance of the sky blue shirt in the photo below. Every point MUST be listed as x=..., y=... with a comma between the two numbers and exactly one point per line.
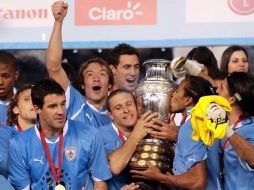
x=6, y=134
x=3, y=112
x=84, y=158
x=238, y=174
x=112, y=142
x=80, y=110
x=187, y=151
x=213, y=166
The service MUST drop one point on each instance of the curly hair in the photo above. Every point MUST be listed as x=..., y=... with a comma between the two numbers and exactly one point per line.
x=12, y=118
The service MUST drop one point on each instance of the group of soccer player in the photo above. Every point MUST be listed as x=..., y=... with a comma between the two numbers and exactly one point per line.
x=54, y=136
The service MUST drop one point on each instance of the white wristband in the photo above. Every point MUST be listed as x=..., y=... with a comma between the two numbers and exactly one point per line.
x=229, y=132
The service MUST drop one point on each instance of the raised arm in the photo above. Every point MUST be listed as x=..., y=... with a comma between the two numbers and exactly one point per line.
x=55, y=48
x=243, y=148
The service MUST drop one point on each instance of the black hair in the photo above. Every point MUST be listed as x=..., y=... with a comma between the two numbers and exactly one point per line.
x=241, y=85
x=121, y=49
x=43, y=88
x=8, y=58
x=197, y=87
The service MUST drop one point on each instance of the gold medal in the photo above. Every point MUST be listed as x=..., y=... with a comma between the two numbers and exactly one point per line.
x=59, y=187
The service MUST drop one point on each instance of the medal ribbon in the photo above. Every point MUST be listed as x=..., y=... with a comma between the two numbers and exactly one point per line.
x=57, y=174
x=120, y=134
x=183, y=120
x=19, y=128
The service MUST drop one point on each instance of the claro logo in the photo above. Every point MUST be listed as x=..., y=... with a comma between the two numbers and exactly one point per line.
x=113, y=12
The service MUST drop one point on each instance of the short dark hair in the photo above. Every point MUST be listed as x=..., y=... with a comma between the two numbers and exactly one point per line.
x=197, y=87
x=8, y=58
x=86, y=64
x=43, y=88
x=121, y=49
x=114, y=93
x=225, y=58
x=241, y=85
x=12, y=118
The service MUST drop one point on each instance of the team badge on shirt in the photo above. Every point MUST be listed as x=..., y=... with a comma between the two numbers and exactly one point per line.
x=70, y=153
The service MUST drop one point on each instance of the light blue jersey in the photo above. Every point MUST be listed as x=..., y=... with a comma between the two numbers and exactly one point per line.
x=80, y=110
x=112, y=142
x=187, y=152
x=84, y=158
x=6, y=134
x=3, y=112
x=4, y=184
x=238, y=174
x=213, y=166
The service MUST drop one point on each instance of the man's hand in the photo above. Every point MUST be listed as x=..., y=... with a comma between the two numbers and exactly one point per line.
x=164, y=131
x=151, y=173
x=59, y=9
x=131, y=186
x=142, y=125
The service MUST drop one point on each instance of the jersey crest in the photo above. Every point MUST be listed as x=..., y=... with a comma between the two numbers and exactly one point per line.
x=70, y=153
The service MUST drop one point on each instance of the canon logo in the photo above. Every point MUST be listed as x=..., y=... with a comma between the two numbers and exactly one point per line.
x=103, y=13
x=23, y=13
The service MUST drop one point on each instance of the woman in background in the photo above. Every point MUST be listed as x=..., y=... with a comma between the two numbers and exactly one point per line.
x=235, y=59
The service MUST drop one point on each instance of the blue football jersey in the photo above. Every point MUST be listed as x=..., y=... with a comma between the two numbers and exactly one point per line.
x=238, y=174
x=111, y=143
x=3, y=112
x=84, y=158
x=187, y=151
x=80, y=110
x=6, y=134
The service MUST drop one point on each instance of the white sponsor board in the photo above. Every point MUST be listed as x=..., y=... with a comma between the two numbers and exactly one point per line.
x=27, y=24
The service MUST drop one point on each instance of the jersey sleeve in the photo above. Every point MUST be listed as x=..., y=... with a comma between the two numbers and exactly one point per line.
x=6, y=134
x=18, y=171
x=74, y=101
x=249, y=136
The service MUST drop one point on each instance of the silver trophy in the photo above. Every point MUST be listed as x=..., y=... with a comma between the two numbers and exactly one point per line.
x=154, y=94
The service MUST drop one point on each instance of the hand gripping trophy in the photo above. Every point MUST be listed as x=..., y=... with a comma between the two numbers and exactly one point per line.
x=154, y=94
